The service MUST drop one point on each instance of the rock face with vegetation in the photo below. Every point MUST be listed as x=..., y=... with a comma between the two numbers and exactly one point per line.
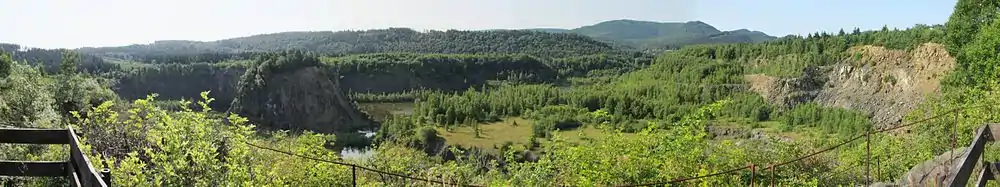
x=181, y=81
x=394, y=72
x=292, y=91
x=886, y=84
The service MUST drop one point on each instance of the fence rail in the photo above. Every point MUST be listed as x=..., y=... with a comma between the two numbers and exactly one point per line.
x=77, y=168
x=963, y=169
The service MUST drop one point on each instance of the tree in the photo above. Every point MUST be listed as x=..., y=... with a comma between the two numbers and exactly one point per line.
x=841, y=33
x=981, y=58
x=532, y=142
x=6, y=64
x=69, y=63
x=965, y=21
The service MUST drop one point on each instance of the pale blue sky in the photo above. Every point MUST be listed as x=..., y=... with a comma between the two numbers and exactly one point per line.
x=77, y=23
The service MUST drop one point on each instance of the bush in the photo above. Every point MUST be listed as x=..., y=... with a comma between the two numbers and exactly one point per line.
x=827, y=119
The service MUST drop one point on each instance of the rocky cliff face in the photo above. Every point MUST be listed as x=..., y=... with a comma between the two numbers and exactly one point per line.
x=886, y=84
x=306, y=98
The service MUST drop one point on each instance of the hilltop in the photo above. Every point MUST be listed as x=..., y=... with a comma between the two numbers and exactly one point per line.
x=659, y=35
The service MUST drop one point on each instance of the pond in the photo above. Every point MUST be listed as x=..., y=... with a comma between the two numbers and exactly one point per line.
x=358, y=152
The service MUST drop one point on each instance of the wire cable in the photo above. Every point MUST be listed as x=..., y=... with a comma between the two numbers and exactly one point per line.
x=356, y=166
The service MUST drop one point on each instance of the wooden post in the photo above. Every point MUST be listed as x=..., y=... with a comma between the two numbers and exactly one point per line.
x=354, y=176
x=753, y=173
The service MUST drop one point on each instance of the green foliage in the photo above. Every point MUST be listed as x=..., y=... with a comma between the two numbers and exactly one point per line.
x=653, y=35
x=652, y=156
x=446, y=110
x=748, y=105
x=6, y=64
x=77, y=92
x=50, y=60
x=598, y=65
x=980, y=59
x=557, y=117
x=272, y=64
x=69, y=62
x=181, y=81
x=190, y=148
x=366, y=97
x=965, y=22
x=667, y=104
x=395, y=128
x=401, y=72
x=381, y=40
x=827, y=119
x=26, y=99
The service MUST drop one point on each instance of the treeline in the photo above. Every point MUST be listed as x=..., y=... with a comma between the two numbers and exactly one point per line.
x=180, y=81
x=207, y=57
x=667, y=90
x=396, y=72
x=599, y=64
x=680, y=81
x=827, y=119
x=375, y=77
x=381, y=40
x=787, y=56
x=50, y=59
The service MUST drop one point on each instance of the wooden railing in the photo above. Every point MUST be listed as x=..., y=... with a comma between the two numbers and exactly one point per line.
x=77, y=168
x=966, y=164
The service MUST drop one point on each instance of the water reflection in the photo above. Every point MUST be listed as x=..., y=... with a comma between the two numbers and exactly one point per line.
x=358, y=152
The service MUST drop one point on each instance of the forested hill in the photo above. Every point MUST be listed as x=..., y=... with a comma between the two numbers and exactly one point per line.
x=381, y=40
x=656, y=35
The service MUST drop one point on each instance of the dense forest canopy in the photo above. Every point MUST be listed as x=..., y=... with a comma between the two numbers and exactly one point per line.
x=495, y=108
x=376, y=41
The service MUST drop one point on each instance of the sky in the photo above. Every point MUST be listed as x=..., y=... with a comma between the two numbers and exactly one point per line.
x=95, y=23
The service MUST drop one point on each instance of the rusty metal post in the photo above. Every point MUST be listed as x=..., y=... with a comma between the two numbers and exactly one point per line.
x=878, y=168
x=772, y=175
x=354, y=175
x=753, y=173
x=954, y=136
x=868, y=155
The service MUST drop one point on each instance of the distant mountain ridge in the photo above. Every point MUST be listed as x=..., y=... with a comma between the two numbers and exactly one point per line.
x=658, y=35
x=604, y=37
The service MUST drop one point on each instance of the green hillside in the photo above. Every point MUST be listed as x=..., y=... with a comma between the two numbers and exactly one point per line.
x=657, y=35
x=536, y=107
x=376, y=41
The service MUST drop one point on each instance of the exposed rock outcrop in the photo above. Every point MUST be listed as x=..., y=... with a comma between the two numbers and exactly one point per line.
x=296, y=97
x=886, y=84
